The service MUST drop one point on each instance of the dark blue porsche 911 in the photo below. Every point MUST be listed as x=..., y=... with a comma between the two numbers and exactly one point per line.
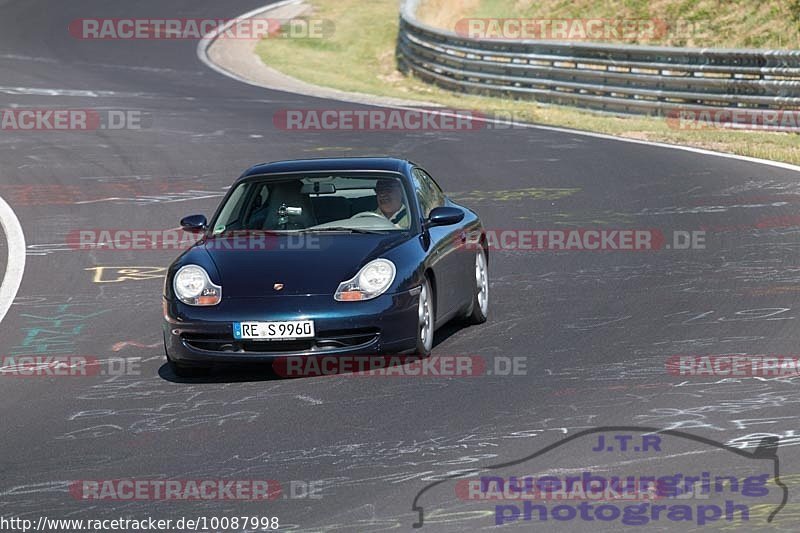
x=324, y=257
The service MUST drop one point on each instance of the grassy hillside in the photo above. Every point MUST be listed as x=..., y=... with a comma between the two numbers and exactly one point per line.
x=704, y=23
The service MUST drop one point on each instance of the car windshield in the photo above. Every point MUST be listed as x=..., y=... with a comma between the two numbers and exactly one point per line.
x=323, y=203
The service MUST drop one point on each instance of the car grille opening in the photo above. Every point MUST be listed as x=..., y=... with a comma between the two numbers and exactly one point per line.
x=325, y=340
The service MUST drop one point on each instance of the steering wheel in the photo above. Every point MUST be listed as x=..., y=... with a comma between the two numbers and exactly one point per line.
x=365, y=214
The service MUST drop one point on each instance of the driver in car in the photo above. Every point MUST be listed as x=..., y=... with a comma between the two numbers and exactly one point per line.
x=390, y=202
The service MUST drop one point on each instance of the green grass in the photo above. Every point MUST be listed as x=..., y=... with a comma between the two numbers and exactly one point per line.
x=360, y=57
x=716, y=23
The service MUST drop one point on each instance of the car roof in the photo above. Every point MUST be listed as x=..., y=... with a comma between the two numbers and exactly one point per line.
x=386, y=164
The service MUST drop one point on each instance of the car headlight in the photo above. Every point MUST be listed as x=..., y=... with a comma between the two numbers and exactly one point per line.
x=370, y=282
x=193, y=286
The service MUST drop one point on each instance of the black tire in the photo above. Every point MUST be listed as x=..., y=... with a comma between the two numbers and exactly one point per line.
x=479, y=313
x=425, y=340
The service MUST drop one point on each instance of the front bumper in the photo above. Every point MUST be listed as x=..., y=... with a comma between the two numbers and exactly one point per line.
x=204, y=335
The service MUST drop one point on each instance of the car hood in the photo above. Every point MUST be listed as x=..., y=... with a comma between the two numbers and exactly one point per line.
x=313, y=263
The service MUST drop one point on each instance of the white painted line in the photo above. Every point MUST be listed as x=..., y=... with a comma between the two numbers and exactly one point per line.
x=208, y=39
x=703, y=151
x=206, y=42
x=39, y=91
x=309, y=399
x=16, y=257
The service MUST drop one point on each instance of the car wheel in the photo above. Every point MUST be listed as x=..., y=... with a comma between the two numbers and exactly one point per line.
x=426, y=320
x=480, y=300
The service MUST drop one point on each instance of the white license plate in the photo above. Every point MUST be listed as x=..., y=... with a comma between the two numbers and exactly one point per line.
x=271, y=331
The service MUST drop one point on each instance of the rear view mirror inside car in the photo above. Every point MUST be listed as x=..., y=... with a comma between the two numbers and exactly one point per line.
x=318, y=188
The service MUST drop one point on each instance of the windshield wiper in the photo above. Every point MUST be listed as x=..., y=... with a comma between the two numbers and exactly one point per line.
x=349, y=230
x=248, y=232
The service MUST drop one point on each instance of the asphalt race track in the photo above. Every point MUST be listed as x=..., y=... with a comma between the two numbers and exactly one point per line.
x=595, y=328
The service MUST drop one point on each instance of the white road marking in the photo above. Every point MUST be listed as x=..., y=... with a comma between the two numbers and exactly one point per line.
x=608, y=466
x=35, y=59
x=16, y=257
x=309, y=399
x=185, y=196
x=33, y=488
x=207, y=40
x=47, y=91
x=39, y=91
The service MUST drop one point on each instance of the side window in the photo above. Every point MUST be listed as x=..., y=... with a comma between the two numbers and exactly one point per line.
x=428, y=192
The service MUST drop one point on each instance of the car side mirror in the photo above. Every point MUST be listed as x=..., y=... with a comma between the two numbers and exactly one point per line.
x=445, y=216
x=194, y=223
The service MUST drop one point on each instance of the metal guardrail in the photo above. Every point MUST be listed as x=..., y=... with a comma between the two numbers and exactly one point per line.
x=618, y=78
